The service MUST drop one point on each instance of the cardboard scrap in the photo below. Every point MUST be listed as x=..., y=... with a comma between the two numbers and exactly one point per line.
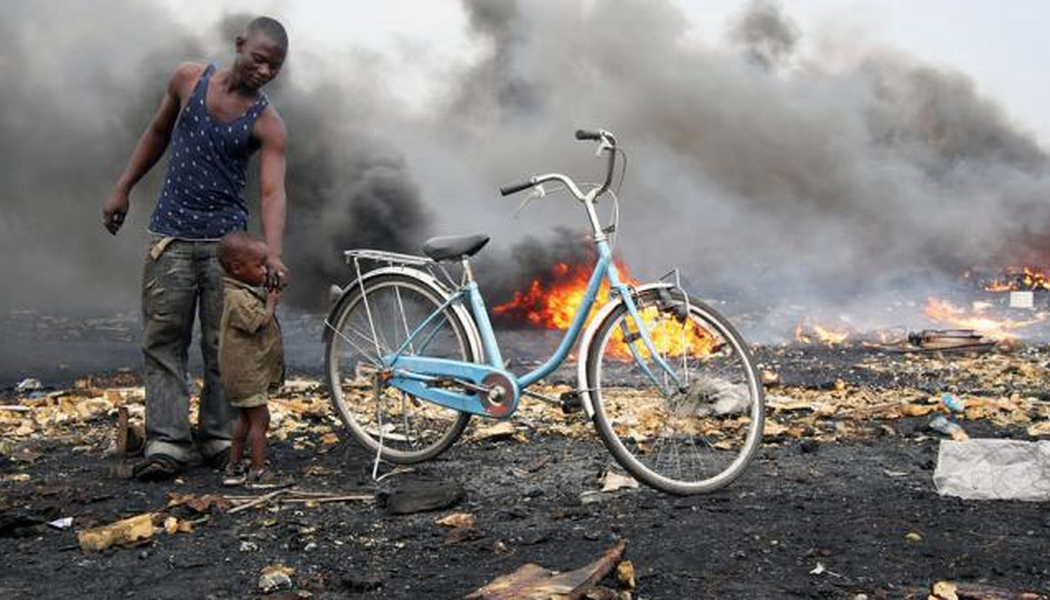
x=121, y=533
x=533, y=582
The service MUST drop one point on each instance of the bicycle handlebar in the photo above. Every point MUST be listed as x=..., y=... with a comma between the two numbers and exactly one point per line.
x=514, y=188
x=608, y=144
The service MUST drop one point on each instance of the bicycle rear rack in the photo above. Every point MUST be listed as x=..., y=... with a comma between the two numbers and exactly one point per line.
x=391, y=258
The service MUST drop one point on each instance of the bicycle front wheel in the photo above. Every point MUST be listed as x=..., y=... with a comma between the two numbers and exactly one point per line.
x=376, y=321
x=690, y=437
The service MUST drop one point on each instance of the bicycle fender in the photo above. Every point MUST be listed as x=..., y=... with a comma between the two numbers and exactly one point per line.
x=588, y=335
x=473, y=336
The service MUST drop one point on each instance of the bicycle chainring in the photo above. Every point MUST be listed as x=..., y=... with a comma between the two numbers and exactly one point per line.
x=497, y=404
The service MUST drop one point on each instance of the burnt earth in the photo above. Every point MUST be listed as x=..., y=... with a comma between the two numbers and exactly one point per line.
x=847, y=506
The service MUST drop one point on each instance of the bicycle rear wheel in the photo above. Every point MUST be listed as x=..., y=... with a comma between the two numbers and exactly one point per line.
x=689, y=439
x=377, y=323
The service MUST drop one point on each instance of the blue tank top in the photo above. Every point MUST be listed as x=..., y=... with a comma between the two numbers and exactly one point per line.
x=203, y=194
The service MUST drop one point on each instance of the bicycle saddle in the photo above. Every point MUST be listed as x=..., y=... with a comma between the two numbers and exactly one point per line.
x=454, y=247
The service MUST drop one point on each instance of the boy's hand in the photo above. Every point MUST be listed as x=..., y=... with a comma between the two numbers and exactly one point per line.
x=276, y=273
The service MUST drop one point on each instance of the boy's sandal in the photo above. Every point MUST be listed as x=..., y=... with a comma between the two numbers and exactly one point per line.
x=234, y=475
x=156, y=467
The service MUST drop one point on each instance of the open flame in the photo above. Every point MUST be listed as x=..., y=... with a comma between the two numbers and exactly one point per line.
x=1016, y=278
x=978, y=319
x=552, y=302
x=830, y=337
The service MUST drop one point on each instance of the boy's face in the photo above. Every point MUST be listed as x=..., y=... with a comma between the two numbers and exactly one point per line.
x=251, y=269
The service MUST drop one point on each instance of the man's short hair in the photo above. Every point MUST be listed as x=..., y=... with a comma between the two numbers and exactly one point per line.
x=235, y=246
x=270, y=29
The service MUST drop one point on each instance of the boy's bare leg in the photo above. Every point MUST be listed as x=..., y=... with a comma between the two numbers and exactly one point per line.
x=259, y=422
x=240, y=436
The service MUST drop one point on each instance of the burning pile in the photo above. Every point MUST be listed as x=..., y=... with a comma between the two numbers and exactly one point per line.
x=551, y=302
x=979, y=319
x=1014, y=278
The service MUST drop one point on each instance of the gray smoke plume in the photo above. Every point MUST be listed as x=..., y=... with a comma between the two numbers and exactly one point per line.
x=765, y=34
x=767, y=180
x=768, y=175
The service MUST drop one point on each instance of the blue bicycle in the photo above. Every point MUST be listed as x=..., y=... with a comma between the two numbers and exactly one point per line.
x=668, y=382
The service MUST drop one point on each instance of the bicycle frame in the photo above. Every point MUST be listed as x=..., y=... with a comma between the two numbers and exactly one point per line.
x=604, y=268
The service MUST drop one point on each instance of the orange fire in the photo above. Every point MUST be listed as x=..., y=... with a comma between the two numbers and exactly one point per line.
x=946, y=312
x=553, y=304
x=804, y=334
x=1020, y=278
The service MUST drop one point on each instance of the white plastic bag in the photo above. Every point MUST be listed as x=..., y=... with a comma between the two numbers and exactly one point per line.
x=994, y=469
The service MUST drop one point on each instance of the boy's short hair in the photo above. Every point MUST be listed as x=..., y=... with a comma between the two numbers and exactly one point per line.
x=235, y=246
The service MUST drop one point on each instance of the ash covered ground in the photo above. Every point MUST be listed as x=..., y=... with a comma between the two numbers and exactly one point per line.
x=839, y=503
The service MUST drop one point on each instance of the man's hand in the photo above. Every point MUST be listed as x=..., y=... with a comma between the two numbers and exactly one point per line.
x=114, y=210
x=277, y=275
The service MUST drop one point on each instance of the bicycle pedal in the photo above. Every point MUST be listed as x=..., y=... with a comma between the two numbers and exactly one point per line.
x=570, y=401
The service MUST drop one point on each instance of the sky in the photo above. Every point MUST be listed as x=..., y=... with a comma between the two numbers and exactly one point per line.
x=1002, y=46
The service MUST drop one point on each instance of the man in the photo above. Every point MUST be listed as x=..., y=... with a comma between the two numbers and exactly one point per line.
x=213, y=120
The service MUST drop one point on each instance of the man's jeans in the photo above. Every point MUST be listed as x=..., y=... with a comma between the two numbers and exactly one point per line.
x=180, y=278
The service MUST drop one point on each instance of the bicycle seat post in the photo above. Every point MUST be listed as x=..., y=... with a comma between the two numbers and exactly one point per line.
x=468, y=275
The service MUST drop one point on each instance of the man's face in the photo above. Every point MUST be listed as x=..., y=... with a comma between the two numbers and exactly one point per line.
x=258, y=61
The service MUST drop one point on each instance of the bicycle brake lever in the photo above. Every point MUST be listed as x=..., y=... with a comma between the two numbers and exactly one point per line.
x=602, y=147
x=537, y=192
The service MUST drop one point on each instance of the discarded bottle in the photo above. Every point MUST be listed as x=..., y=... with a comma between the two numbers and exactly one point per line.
x=948, y=427
x=953, y=402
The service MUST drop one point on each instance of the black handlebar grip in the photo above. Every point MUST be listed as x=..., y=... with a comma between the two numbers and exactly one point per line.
x=515, y=188
x=587, y=135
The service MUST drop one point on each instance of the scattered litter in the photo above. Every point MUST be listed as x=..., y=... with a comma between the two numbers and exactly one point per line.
x=457, y=520
x=817, y=570
x=532, y=581
x=612, y=481
x=61, y=524
x=200, y=504
x=503, y=430
x=625, y=573
x=913, y=537
x=942, y=424
x=994, y=469
x=126, y=532
x=953, y=402
x=953, y=590
x=275, y=577
x=29, y=384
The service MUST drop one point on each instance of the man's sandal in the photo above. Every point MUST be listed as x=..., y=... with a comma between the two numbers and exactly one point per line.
x=156, y=467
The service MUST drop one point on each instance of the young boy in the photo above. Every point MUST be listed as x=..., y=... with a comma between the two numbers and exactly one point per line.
x=251, y=359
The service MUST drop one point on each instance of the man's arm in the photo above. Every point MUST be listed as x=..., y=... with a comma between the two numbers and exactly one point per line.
x=150, y=147
x=273, y=136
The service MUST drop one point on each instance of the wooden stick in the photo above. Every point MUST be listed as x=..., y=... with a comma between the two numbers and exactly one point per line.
x=256, y=502
x=352, y=498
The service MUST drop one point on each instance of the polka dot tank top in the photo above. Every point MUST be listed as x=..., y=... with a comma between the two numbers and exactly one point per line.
x=203, y=194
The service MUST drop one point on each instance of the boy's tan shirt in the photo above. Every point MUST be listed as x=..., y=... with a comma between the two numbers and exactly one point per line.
x=251, y=356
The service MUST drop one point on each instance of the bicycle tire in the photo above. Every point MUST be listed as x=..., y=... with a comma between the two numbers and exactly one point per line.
x=396, y=303
x=723, y=398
